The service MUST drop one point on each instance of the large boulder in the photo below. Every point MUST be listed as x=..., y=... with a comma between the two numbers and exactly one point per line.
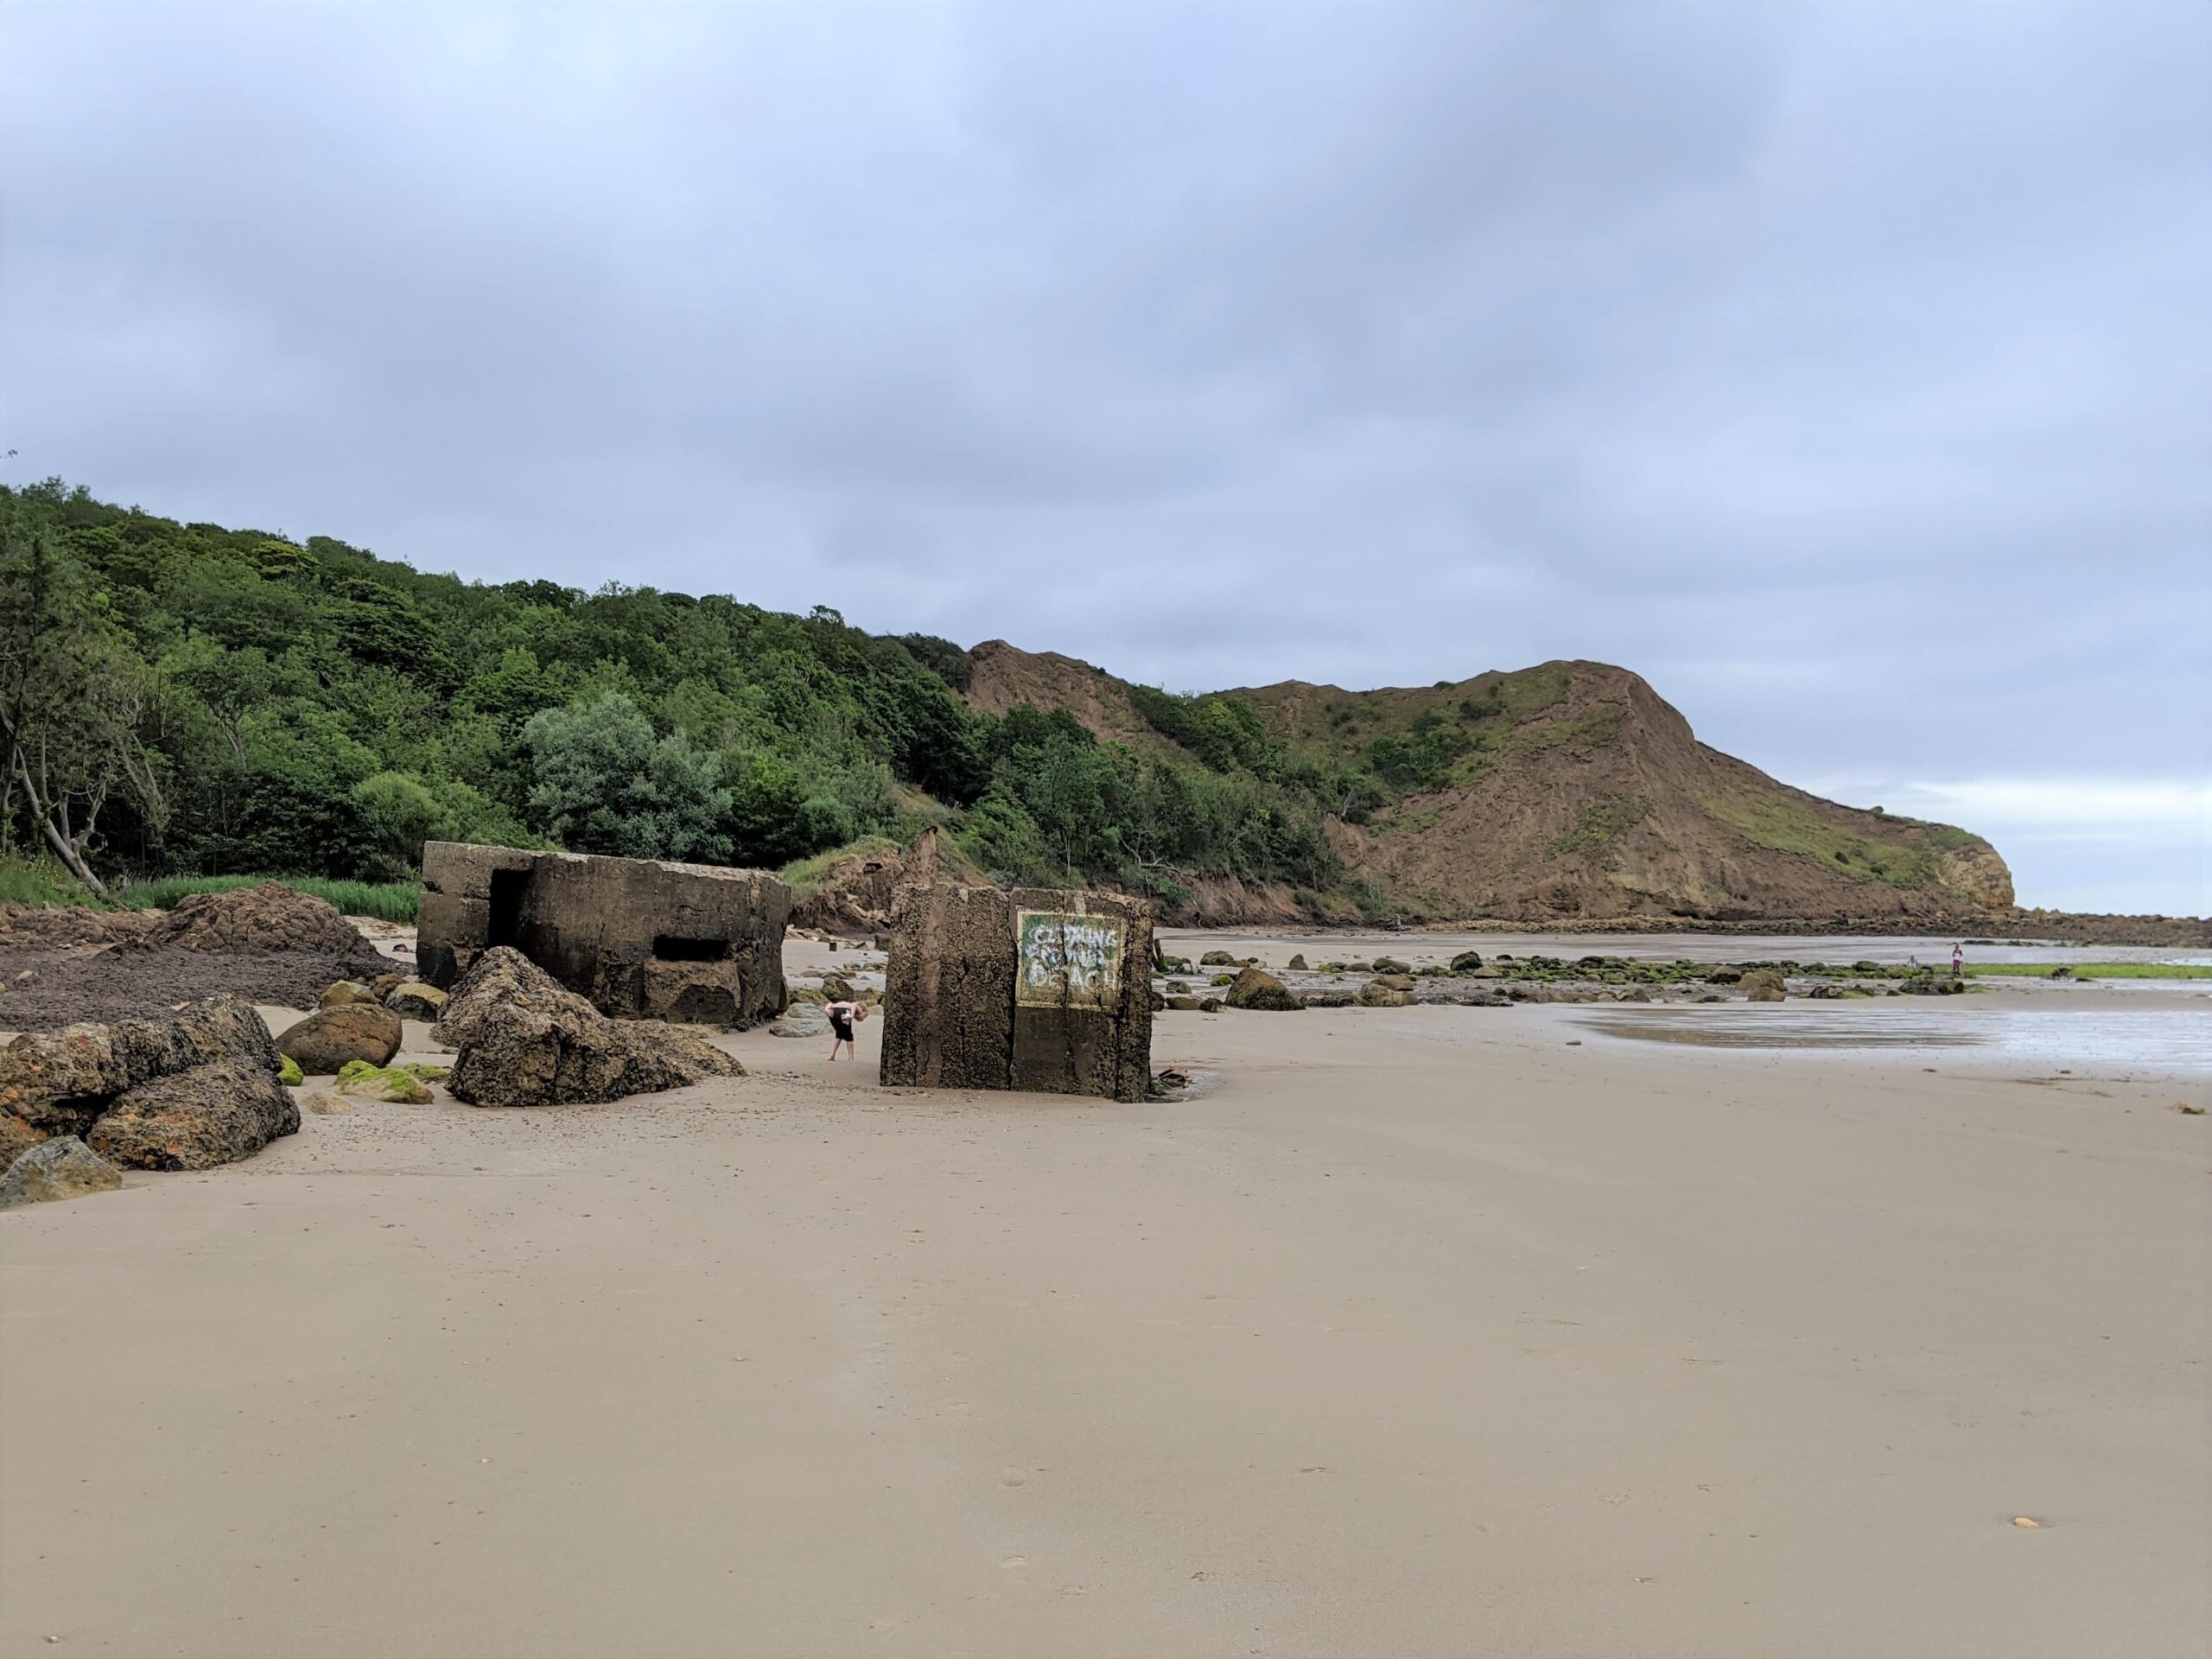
x=1217, y=959
x=521, y=1039
x=63, y=1167
x=1467, y=962
x=59, y=1082
x=1765, y=985
x=345, y=992
x=214, y=1113
x=1257, y=988
x=413, y=1000
x=324, y=1041
x=1376, y=994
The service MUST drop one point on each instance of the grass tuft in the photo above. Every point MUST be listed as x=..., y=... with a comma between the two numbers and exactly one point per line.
x=40, y=882
x=387, y=901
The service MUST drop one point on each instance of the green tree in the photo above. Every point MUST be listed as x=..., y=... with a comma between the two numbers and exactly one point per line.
x=72, y=692
x=605, y=783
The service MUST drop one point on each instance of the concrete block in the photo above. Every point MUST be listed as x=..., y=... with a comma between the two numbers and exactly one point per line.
x=639, y=937
x=1038, y=988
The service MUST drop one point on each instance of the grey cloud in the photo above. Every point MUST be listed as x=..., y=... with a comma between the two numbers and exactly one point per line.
x=1845, y=371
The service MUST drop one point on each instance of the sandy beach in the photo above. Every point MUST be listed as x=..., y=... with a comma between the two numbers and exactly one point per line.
x=1415, y=1331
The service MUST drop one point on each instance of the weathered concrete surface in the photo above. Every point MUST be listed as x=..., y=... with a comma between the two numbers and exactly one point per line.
x=641, y=938
x=1036, y=988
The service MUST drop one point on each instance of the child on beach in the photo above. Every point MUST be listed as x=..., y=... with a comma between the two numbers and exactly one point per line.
x=1958, y=959
x=842, y=1018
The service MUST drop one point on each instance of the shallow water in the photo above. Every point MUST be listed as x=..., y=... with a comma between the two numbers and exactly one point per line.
x=2151, y=1042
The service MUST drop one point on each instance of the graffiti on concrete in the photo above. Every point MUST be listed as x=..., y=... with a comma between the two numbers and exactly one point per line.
x=1067, y=961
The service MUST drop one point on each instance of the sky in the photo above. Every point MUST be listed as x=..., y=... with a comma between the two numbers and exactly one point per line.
x=1846, y=370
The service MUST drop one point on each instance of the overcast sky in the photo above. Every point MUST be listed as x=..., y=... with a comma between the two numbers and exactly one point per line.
x=1845, y=369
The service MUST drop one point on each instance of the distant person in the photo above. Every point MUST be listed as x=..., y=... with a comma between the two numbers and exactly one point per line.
x=1957, y=960
x=842, y=1017
x=1913, y=962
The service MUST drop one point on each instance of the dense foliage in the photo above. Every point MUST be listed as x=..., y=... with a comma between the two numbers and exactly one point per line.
x=198, y=699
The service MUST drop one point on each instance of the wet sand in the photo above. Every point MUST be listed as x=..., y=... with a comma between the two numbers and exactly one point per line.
x=1423, y=1331
x=1423, y=946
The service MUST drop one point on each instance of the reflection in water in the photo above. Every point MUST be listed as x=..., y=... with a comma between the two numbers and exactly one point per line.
x=2137, y=1040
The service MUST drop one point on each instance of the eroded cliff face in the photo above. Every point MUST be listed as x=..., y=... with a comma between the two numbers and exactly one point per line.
x=1567, y=791
x=1602, y=803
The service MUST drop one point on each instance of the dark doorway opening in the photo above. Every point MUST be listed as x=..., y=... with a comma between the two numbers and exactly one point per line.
x=507, y=888
x=672, y=947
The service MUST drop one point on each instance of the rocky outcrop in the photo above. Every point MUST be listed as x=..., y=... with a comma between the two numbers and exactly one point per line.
x=211, y=1114
x=63, y=1167
x=196, y=1089
x=60, y=1082
x=326, y=1041
x=1257, y=988
x=521, y=1039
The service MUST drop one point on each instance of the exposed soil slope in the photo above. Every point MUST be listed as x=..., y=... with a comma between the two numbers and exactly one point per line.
x=1602, y=802
x=1567, y=790
x=1008, y=677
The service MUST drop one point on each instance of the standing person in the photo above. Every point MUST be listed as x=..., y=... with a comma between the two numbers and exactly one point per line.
x=842, y=1018
x=1958, y=959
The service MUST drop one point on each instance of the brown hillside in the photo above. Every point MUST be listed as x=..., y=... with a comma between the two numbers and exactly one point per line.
x=1008, y=677
x=1599, y=801
x=1569, y=790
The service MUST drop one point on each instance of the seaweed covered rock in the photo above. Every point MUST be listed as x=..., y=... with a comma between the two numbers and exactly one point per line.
x=399, y=1086
x=210, y=1114
x=521, y=1039
x=64, y=1167
x=1257, y=988
x=1928, y=985
x=326, y=1041
x=1467, y=962
x=1217, y=959
x=1765, y=985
